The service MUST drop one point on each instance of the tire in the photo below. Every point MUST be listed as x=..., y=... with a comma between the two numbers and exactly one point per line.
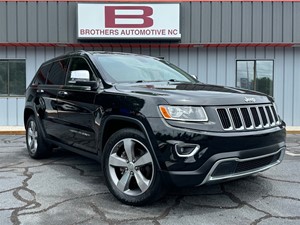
x=36, y=145
x=129, y=168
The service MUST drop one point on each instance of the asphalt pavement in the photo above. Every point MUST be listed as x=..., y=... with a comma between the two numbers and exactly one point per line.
x=69, y=189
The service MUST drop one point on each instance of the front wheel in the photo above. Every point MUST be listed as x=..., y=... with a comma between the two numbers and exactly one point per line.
x=129, y=168
x=37, y=147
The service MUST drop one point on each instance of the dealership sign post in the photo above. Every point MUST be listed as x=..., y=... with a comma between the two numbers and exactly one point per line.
x=128, y=21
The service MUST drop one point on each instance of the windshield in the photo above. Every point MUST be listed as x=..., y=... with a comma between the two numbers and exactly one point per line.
x=135, y=68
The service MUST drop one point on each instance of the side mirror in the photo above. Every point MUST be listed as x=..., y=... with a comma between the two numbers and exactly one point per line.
x=82, y=75
x=82, y=78
x=194, y=76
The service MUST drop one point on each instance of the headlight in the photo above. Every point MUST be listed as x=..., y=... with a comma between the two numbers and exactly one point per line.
x=185, y=113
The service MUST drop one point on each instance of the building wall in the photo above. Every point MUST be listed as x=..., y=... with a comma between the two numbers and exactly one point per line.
x=201, y=22
x=211, y=65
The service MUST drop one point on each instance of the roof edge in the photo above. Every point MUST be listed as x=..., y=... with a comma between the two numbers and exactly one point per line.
x=148, y=1
x=144, y=45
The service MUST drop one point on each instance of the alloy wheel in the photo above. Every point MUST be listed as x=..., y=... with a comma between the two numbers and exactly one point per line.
x=32, y=136
x=131, y=167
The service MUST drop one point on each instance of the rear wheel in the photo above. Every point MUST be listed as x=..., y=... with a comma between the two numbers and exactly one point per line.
x=129, y=168
x=36, y=145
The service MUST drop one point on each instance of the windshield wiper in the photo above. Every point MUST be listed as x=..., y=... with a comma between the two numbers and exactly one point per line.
x=171, y=80
x=182, y=81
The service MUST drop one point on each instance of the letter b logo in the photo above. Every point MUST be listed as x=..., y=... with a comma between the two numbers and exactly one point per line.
x=128, y=16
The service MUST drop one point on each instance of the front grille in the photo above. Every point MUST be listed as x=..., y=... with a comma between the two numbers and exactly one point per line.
x=248, y=117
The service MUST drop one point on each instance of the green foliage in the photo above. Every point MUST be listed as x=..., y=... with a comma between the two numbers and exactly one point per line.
x=264, y=85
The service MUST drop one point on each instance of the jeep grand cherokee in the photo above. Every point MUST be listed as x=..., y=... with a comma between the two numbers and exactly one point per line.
x=149, y=123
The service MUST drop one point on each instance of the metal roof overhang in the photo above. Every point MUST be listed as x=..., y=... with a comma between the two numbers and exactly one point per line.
x=159, y=1
x=145, y=45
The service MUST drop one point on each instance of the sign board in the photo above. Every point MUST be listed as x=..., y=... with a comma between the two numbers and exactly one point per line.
x=128, y=21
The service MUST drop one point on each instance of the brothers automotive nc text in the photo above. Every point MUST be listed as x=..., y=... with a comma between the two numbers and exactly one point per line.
x=129, y=32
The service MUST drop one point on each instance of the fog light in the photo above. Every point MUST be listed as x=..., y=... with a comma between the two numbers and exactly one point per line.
x=186, y=150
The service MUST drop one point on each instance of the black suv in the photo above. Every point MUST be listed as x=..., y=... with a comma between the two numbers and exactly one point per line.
x=149, y=123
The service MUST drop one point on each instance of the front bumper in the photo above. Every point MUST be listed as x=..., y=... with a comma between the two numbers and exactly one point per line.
x=233, y=168
x=222, y=156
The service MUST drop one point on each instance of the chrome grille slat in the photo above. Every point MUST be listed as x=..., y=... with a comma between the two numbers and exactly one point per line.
x=238, y=124
x=275, y=114
x=256, y=117
x=270, y=114
x=263, y=116
x=223, y=115
x=247, y=117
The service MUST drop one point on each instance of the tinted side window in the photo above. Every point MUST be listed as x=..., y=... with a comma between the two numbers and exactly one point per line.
x=80, y=64
x=57, y=72
x=41, y=75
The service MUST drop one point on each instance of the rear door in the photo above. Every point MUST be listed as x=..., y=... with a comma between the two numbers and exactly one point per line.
x=76, y=109
x=49, y=79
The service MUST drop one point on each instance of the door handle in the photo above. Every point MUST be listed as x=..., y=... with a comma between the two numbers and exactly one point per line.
x=62, y=93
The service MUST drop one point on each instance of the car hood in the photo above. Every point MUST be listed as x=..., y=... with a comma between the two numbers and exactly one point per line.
x=195, y=94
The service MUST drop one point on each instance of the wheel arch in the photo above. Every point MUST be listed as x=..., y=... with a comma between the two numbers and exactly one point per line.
x=27, y=113
x=116, y=123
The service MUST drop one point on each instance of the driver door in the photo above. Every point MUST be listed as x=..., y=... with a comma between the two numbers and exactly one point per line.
x=76, y=107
